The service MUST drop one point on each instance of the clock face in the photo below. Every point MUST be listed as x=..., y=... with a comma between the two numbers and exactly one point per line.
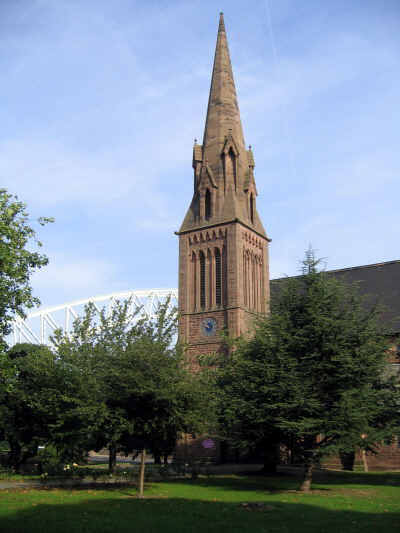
x=209, y=327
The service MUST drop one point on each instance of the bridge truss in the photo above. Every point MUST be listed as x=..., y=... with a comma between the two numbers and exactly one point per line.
x=40, y=325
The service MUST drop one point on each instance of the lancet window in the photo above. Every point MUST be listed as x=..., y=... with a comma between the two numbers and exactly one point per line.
x=218, y=287
x=252, y=281
x=252, y=208
x=202, y=280
x=229, y=161
x=194, y=281
x=207, y=206
x=208, y=279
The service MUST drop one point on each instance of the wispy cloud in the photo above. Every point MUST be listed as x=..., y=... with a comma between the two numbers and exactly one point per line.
x=104, y=100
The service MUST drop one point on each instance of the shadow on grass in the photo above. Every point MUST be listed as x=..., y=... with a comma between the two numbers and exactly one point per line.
x=124, y=513
x=287, y=480
x=331, y=477
x=372, y=479
x=290, y=481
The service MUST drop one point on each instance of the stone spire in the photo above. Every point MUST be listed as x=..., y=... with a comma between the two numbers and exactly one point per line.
x=224, y=186
x=223, y=116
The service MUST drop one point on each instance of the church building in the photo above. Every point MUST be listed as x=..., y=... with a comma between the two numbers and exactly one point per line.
x=223, y=246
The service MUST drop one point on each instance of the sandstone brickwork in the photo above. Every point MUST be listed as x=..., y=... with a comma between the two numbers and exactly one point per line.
x=223, y=246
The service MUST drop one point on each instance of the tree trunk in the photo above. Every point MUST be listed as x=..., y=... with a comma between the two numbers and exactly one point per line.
x=223, y=452
x=15, y=459
x=271, y=459
x=307, y=476
x=141, y=477
x=157, y=457
x=347, y=459
x=112, y=458
x=364, y=460
x=269, y=466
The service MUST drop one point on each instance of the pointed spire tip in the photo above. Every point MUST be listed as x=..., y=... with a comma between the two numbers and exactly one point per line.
x=221, y=22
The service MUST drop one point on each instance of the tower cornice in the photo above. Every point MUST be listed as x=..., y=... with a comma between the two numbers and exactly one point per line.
x=225, y=223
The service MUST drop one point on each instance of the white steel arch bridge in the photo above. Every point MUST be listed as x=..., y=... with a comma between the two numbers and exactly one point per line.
x=39, y=325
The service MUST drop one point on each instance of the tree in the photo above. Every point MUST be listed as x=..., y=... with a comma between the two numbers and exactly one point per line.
x=314, y=373
x=245, y=404
x=30, y=382
x=138, y=391
x=17, y=260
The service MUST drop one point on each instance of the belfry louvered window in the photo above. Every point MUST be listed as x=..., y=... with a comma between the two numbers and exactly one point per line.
x=217, y=277
x=202, y=280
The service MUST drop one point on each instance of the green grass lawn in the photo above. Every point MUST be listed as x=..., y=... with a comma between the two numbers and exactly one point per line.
x=339, y=503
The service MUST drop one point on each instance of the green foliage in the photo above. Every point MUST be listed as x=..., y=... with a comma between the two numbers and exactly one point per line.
x=30, y=382
x=49, y=461
x=313, y=376
x=133, y=389
x=116, y=381
x=17, y=260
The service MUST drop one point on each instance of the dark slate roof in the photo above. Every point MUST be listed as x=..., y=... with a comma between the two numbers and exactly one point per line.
x=380, y=282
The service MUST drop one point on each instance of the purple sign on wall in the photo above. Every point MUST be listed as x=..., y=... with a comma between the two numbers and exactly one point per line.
x=208, y=443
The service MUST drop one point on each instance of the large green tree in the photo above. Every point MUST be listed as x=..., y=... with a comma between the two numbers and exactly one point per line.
x=17, y=260
x=31, y=381
x=139, y=393
x=314, y=375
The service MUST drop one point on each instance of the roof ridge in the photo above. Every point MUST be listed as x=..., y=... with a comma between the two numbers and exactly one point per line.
x=370, y=265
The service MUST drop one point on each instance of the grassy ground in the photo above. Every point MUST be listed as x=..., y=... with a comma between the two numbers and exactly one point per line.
x=339, y=503
x=6, y=475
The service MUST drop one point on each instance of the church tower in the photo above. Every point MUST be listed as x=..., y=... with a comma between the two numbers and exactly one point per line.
x=223, y=247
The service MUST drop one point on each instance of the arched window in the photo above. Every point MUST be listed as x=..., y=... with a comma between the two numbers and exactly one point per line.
x=224, y=276
x=208, y=204
x=254, y=281
x=218, y=299
x=202, y=280
x=245, y=282
x=210, y=287
x=230, y=169
x=252, y=208
x=194, y=278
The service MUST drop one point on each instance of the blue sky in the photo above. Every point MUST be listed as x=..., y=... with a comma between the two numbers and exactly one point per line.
x=102, y=101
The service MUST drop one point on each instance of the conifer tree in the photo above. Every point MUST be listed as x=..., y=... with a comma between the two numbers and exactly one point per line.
x=315, y=373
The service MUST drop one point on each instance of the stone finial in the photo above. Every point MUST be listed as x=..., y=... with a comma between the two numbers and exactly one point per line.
x=221, y=26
